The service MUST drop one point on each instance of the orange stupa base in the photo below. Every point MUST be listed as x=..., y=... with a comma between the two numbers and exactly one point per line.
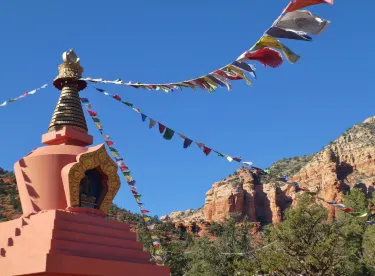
x=58, y=243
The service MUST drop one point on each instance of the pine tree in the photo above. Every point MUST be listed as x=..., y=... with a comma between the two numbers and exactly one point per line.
x=305, y=243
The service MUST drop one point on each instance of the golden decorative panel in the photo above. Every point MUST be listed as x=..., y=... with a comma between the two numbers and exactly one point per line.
x=88, y=161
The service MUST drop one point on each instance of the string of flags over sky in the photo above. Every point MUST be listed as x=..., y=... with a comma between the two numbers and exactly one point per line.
x=293, y=23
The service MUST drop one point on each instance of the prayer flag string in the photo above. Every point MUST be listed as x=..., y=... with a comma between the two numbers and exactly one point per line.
x=292, y=23
x=32, y=92
x=158, y=255
x=168, y=133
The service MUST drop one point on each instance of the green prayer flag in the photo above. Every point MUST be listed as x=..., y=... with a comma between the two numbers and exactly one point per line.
x=112, y=149
x=96, y=120
x=128, y=104
x=168, y=134
x=126, y=173
x=219, y=154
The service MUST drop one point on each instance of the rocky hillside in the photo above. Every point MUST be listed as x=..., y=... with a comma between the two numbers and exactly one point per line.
x=346, y=162
x=10, y=206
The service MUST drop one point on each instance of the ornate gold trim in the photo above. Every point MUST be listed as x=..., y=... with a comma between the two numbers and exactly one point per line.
x=88, y=161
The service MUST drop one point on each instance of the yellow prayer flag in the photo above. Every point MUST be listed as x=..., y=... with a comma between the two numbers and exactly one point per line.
x=269, y=41
x=240, y=73
x=210, y=82
x=128, y=178
x=187, y=84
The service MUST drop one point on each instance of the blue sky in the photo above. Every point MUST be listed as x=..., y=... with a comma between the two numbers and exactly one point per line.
x=293, y=110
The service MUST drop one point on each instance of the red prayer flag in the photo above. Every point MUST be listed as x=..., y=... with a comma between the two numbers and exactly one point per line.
x=134, y=192
x=92, y=113
x=109, y=143
x=299, y=4
x=161, y=128
x=201, y=84
x=206, y=150
x=145, y=211
x=124, y=168
x=117, y=97
x=266, y=56
x=225, y=75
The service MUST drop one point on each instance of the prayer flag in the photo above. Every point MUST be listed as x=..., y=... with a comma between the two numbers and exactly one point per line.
x=117, y=97
x=131, y=183
x=112, y=149
x=134, y=193
x=144, y=117
x=181, y=136
x=109, y=143
x=246, y=67
x=96, y=120
x=84, y=100
x=219, y=154
x=303, y=21
x=269, y=41
x=137, y=197
x=92, y=113
x=206, y=150
x=124, y=168
x=187, y=84
x=126, y=173
x=287, y=33
x=299, y=4
x=34, y=91
x=187, y=143
x=168, y=134
x=266, y=56
x=230, y=159
x=237, y=158
x=228, y=76
x=238, y=72
x=100, y=90
x=161, y=128
x=199, y=144
x=152, y=123
x=128, y=104
x=145, y=211
x=129, y=178
x=223, y=80
x=217, y=81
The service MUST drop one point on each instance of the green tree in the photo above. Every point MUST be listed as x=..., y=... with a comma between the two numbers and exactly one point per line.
x=226, y=255
x=305, y=243
x=352, y=230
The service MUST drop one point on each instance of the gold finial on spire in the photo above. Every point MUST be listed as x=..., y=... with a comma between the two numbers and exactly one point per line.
x=68, y=111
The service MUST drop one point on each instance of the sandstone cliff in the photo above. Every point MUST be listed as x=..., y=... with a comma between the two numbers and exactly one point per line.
x=346, y=162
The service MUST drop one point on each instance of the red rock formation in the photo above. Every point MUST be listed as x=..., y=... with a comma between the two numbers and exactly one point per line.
x=347, y=162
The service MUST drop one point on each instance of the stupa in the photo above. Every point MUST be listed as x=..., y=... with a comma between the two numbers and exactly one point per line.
x=66, y=188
